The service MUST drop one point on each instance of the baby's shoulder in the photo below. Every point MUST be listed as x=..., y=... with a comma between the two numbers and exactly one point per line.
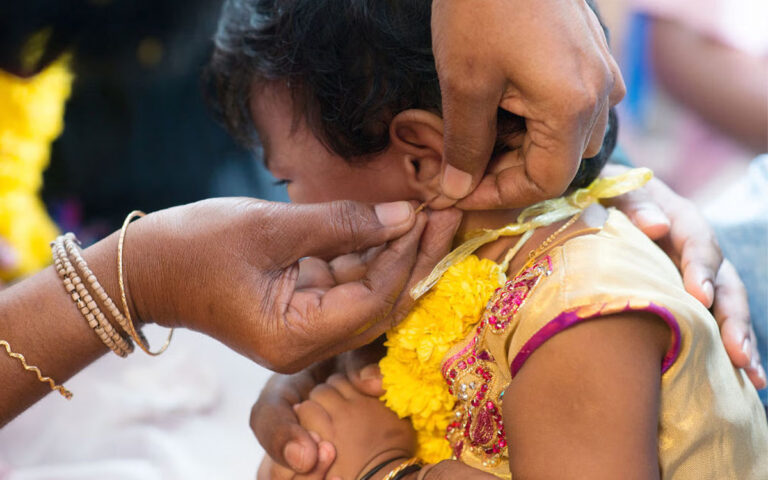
x=617, y=270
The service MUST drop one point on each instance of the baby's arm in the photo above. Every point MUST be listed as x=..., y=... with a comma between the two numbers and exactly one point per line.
x=366, y=434
x=585, y=404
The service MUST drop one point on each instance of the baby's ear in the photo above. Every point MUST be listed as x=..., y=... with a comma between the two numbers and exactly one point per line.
x=417, y=137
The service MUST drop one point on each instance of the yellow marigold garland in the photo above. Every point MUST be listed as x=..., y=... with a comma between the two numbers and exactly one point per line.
x=31, y=117
x=411, y=374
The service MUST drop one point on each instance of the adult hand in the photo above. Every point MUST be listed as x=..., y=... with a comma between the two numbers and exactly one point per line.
x=682, y=231
x=229, y=268
x=547, y=61
x=292, y=450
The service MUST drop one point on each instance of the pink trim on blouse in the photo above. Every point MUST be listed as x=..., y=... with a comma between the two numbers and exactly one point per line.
x=572, y=317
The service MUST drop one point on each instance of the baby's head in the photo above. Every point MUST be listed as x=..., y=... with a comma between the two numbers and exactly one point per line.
x=343, y=96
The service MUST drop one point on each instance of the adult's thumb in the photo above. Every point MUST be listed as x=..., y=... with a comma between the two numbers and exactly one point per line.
x=331, y=229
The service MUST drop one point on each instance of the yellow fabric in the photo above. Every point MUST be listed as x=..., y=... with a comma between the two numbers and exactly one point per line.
x=539, y=215
x=31, y=117
x=711, y=423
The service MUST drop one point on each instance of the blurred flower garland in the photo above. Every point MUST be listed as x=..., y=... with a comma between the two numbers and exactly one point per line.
x=31, y=117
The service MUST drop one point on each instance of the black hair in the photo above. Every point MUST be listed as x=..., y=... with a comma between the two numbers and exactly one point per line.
x=351, y=66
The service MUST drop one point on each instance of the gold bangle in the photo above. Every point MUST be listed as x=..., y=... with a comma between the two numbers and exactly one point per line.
x=31, y=368
x=139, y=338
x=401, y=467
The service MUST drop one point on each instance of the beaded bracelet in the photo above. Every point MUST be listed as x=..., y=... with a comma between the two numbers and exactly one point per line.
x=84, y=301
x=31, y=368
x=72, y=244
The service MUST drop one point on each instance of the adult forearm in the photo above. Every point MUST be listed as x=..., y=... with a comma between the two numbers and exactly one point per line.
x=39, y=320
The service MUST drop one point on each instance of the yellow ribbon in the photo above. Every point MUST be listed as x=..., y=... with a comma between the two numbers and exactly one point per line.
x=538, y=215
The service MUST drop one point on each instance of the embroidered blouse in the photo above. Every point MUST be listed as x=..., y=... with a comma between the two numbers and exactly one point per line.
x=711, y=423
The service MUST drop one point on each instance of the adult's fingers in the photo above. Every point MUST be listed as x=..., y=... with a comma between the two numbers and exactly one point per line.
x=331, y=229
x=690, y=241
x=695, y=243
x=469, y=122
x=314, y=273
x=640, y=207
x=434, y=244
x=595, y=142
x=324, y=324
x=352, y=266
x=362, y=368
x=732, y=314
x=276, y=426
x=361, y=365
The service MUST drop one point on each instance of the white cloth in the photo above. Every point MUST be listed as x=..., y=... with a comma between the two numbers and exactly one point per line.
x=183, y=415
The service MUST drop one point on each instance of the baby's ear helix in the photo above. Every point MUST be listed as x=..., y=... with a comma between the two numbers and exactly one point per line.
x=417, y=138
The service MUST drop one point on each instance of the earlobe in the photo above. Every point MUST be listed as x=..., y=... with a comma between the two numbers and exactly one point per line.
x=417, y=136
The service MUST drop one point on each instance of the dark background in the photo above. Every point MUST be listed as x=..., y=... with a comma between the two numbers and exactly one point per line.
x=137, y=132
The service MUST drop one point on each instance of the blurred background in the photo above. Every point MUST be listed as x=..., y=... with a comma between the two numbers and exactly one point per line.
x=137, y=134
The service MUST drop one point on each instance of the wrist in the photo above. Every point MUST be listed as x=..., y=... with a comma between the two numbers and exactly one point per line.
x=141, y=273
x=102, y=259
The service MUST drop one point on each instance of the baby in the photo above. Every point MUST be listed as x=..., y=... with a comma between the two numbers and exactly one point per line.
x=576, y=354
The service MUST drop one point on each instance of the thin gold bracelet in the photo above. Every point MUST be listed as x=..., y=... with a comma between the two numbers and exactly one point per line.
x=31, y=368
x=140, y=340
x=401, y=467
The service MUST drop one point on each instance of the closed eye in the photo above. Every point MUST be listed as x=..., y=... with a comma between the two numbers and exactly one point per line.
x=279, y=183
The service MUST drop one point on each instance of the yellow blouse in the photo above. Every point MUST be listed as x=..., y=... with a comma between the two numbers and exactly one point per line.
x=711, y=423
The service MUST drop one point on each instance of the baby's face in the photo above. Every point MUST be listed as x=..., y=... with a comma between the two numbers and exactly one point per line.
x=313, y=173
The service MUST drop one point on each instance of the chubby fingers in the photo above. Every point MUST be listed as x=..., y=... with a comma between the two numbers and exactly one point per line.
x=271, y=470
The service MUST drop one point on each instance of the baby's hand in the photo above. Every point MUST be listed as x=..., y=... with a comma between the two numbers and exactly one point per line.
x=363, y=430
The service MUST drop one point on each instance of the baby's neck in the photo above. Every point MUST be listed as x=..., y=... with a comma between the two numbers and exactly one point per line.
x=592, y=219
x=489, y=219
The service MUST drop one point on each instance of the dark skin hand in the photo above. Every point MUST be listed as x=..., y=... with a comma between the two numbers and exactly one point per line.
x=676, y=224
x=273, y=418
x=493, y=54
x=200, y=266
